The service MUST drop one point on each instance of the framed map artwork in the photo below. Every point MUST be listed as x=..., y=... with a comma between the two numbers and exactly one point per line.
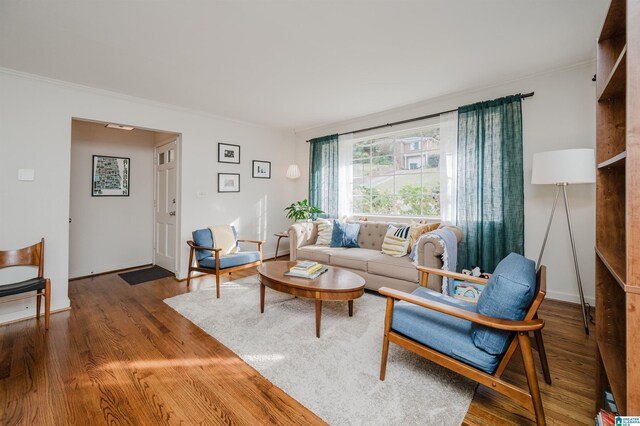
x=110, y=176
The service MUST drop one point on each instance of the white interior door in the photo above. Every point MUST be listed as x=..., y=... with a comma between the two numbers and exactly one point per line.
x=165, y=206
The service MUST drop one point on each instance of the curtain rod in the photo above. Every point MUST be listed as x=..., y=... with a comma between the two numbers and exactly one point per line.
x=424, y=117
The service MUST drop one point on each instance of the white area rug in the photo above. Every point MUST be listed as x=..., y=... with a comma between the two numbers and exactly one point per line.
x=335, y=376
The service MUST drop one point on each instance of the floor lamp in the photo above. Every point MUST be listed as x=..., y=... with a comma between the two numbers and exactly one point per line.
x=562, y=168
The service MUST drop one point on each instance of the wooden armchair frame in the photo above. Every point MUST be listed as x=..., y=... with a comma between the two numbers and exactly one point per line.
x=218, y=271
x=29, y=256
x=531, y=322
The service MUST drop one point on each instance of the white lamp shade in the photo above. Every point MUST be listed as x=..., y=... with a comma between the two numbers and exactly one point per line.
x=564, y=166
x=293, y=171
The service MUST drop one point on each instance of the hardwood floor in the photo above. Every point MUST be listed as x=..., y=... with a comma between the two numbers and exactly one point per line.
x=121, y=356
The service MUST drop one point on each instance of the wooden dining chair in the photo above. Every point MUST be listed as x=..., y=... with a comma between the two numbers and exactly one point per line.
x=28, y=256
x=458, y=336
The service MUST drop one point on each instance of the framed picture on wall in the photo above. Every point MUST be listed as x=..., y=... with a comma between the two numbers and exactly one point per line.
x=228, y=182
x=110, y=176
x=228, y=153
x=261, y=169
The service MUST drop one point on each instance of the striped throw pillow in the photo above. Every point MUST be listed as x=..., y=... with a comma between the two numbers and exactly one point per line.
x=325, y=231
x=396, y=241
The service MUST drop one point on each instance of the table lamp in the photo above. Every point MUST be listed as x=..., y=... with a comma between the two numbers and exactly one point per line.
x=562, y=168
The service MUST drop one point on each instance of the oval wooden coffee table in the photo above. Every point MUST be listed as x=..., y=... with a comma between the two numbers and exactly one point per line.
x=335, y=284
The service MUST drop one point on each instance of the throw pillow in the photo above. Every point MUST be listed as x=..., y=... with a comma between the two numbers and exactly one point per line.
x=325, y=232
x=345, y=234
x=396, y=241
x=418, y=230
x=507, y=295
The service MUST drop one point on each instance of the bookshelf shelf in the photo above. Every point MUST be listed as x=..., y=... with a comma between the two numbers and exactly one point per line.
x=614, y=86
x=614, y=367
x=614, y=264
x=615, y=161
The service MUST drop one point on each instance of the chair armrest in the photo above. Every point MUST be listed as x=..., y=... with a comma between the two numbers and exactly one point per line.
x=251, y=241
x=194, y=246
x=454, y=275
x=498, y=323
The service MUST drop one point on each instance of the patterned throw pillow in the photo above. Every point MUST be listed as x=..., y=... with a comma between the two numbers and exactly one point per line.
x=418, y=230
x=396, y=241
x=325, y=231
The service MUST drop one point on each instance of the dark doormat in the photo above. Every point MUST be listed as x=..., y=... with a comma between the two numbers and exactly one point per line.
x=144, y=275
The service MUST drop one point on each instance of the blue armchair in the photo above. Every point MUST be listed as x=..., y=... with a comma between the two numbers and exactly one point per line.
x=204, y=257
x=476, y=341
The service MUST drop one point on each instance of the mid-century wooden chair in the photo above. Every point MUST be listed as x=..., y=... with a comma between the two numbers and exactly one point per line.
x=28, y=256
x=205, y=258
x=447, y=331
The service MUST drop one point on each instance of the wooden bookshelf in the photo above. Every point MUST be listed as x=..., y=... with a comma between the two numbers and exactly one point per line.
x=618, y=207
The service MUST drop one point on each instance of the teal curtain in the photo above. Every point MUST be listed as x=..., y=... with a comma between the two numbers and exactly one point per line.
x=490, y=200
x=323, y=174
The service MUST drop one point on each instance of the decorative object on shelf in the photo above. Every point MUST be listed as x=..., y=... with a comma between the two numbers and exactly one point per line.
x=261, y=169
x=302, y=210
x=228, y=153
x=561, y=168
x=228, y=182
x=110, y=176
x=293, y=171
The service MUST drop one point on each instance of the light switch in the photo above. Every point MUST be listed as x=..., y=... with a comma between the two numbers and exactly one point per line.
x=202, y=194
x=26, y=174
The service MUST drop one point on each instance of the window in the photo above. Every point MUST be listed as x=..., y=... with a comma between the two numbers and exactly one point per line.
x=397, y=174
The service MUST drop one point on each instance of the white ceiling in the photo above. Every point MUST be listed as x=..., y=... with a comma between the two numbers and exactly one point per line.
x=295, y=64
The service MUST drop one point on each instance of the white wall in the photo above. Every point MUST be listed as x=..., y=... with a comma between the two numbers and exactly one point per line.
x=35, y=118
x=109, y=233
x=561, y=115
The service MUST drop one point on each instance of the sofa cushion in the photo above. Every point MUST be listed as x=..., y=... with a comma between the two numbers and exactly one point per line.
x=345, y=234
x=394, y=267
x=372, y=234
x=317, y=253
x=231, y=260
x=444, y=333
x=507, y=295
x=396, y=241
x=354, y=258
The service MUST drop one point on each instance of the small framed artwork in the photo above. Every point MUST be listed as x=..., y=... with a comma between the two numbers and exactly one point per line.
x=110, y=176
x=261, y=169
x=228, y=153
x=228, y=182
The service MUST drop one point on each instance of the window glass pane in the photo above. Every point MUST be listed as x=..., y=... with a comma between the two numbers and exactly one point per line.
x=382, y=165
x=361, y=150
x=161, y=158
x=171, y=156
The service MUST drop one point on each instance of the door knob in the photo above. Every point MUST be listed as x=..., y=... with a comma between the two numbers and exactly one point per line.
x=172, y=213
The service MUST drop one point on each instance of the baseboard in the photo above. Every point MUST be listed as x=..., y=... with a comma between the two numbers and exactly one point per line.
x=569, y=297
x=131, y=268
x=32, y=317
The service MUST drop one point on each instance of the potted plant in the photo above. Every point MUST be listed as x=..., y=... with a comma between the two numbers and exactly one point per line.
x=302, y=210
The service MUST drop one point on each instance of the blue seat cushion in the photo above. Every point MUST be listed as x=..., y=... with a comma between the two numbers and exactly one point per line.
x=204, y=238
x=231, y=260
x=345, y=234
x=444, y=333
x=22, y=287
x=508, y=295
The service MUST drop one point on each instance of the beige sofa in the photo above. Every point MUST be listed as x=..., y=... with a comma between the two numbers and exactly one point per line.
x=378, y=269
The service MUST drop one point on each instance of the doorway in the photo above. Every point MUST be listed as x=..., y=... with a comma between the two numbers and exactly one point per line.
x=111, y=230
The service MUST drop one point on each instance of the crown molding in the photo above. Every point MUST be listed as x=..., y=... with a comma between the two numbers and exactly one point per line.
x=128, y=98
x=427, y=102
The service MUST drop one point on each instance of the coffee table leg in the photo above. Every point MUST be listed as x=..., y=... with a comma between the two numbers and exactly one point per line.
x=318, y=314
x=350, y=308
x=262, y=298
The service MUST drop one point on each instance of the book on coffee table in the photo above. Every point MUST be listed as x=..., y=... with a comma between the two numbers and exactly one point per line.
x=293, y=273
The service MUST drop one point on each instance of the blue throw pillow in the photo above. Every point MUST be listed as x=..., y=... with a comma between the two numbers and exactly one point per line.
x=345, y=234
x=507, y=295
